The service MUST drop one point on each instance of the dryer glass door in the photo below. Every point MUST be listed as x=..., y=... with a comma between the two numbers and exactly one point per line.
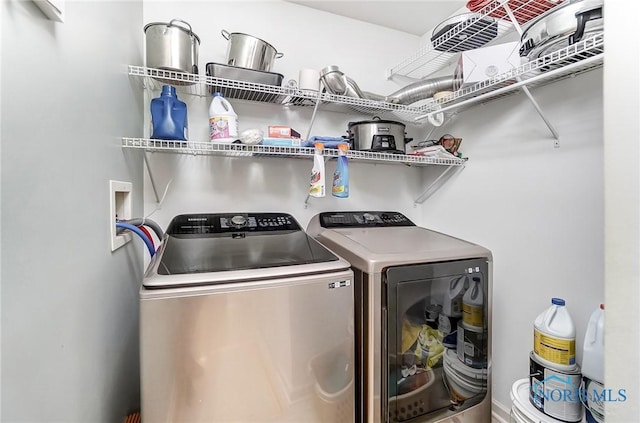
x=437, y=338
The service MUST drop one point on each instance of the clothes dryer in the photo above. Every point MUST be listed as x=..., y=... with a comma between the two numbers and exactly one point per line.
x=245, y=318
x=422, y=352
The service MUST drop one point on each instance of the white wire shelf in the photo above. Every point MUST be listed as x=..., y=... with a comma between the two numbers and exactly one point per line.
x=581, y=57
x=204, y=85
x=486, y=25
x=253, y=151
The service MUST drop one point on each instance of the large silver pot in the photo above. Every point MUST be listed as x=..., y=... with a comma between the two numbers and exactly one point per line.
x=562, y=26
x=247, y=51
x=172, y=46
x=378, y=135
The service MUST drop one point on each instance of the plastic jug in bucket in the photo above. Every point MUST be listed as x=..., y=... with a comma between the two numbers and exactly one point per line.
x=472, y=304
x=554, y=337
x=168, y=116
x=223, y=121
x=593, y=366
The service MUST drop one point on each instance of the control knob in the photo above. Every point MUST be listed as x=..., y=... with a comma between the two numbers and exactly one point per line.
x=239, y=221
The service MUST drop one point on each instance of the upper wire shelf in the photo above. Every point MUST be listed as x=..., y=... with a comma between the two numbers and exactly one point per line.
x=243, y=150
x=204, y=85
x=472, y=30
x=581, y=57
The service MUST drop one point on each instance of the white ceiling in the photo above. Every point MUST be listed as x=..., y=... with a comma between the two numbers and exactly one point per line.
x=412, y=16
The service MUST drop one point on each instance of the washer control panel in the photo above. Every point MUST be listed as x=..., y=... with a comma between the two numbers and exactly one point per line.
x=220, y=223
x=363, y=219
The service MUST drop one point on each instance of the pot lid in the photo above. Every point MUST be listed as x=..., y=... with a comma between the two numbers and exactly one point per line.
x=173, y=25
x=365, y=122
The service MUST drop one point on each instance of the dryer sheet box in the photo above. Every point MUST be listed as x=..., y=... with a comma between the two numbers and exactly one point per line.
x=484, y=63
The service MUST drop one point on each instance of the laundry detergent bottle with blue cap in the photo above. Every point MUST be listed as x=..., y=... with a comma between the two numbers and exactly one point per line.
x=169, y=116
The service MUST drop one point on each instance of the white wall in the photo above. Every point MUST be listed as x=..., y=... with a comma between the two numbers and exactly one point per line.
x=309, y=39
x=622, y=212
x=69, y=305
x=538, y=208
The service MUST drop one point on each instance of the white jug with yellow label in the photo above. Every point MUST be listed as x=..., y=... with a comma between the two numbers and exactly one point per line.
x=473, y=304
x=554, y=337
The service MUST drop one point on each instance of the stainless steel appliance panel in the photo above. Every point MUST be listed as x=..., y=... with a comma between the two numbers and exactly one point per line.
x=277, y=350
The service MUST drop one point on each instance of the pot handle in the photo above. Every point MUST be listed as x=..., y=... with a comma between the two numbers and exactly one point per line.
x=279, y=55
x=180, y=20
x=376, y=118
x=225, y=34
x=583, y=18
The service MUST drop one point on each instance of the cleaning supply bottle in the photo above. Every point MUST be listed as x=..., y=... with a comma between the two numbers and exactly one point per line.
x=593, y=367
x=554, y=337
x=473, y=304
x=340, y=186
x=168, y=116
x=223, y=121
x=316, y=187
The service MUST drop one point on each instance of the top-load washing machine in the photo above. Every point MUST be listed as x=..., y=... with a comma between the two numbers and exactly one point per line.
x=245, y=318
x=422, y=318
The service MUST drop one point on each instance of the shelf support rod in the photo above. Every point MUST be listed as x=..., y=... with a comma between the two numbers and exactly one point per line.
x=512, y=17
x=153, y=182
x=546, y=75
x=431, y=189
x=536, y=106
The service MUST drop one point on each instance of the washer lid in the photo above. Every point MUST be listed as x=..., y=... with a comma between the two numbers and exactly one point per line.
x=250, y=245
x=387, y=242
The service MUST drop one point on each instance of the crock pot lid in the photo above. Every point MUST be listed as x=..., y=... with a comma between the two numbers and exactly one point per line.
x=366, y=122
x=174, y=26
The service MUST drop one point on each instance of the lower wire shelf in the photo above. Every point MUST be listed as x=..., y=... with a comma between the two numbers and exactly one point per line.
x=256, y=151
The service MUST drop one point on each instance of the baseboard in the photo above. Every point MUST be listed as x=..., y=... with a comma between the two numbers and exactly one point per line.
x=499, y=413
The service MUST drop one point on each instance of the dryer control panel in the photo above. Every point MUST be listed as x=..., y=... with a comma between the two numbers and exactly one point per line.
x=219, y=223
x=363, y=219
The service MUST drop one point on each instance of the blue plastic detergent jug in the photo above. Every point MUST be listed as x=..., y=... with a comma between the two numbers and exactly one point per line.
x=168, y=116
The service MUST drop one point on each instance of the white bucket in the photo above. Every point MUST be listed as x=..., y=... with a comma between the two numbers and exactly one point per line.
x=472, y=345
x=555, y=392
x=593, y=405
x=463, y=382
x=522, y=411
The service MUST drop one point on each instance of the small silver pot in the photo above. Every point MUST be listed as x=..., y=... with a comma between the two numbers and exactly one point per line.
x=247, y=51
x=172, y=46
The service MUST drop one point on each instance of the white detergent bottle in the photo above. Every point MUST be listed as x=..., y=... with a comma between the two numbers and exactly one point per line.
x=593, y=367
x=554, y=337
x=223, y=121
x=473, y=304
x=316, y=185
x=452, y=304
x=593, y=349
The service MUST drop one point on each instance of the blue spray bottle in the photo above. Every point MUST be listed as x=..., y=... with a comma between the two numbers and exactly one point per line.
x=340, y=186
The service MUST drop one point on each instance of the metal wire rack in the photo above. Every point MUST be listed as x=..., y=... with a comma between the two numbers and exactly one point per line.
x=478, y=28
x=243, y=150
x=571, y=60
x=201, y=85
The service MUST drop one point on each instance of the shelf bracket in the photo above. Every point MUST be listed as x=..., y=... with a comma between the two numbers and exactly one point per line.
x=153, y=182
x=433, y=187
x=536, y=106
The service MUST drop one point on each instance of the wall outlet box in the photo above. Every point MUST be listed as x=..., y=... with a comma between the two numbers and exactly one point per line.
x=484, y=63
x=119, y=208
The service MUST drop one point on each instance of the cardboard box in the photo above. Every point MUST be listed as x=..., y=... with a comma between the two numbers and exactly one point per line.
x=282, y=132
x=484, y=63
x=282, y=142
